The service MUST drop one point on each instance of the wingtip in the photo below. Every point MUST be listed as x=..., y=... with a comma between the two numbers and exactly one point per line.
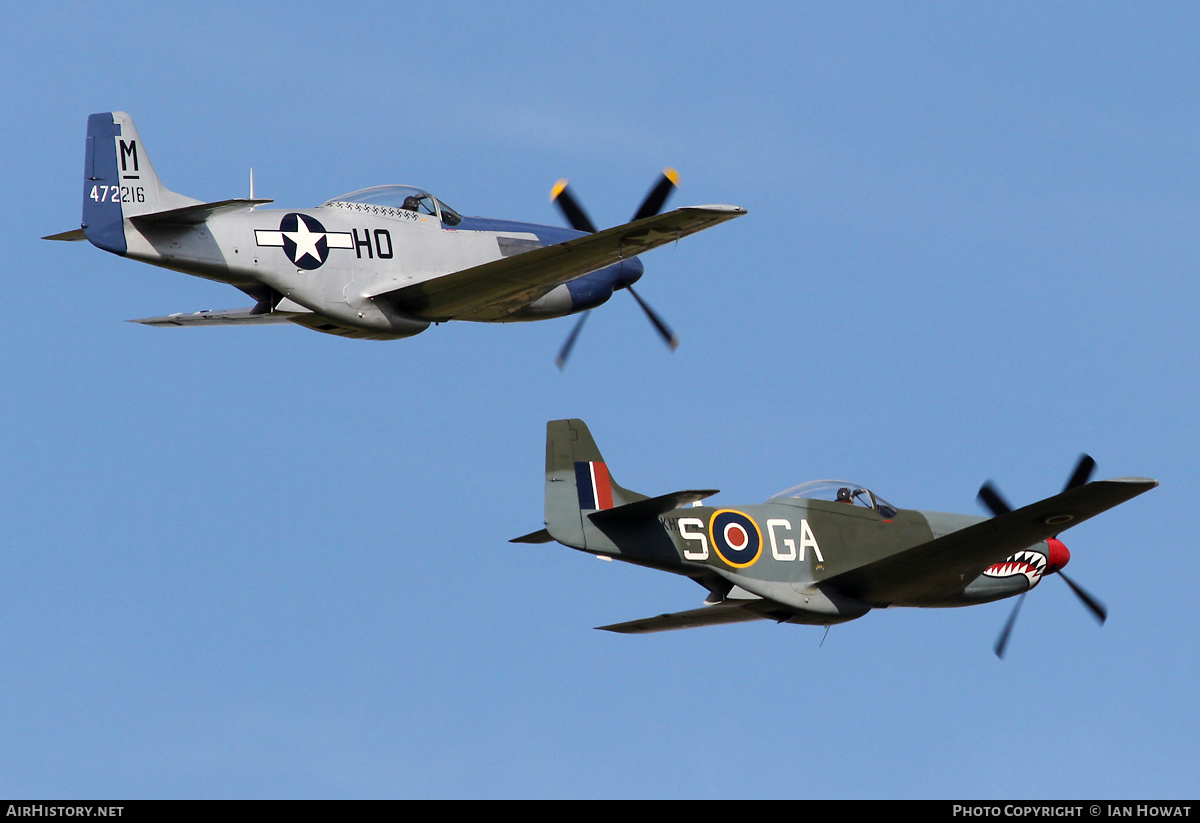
x=1137, y=481
x=723, y=207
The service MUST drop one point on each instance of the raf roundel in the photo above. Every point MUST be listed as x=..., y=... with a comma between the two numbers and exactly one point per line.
x=736, y=537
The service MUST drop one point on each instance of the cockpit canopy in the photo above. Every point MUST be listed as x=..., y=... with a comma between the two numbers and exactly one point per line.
x=841, y=491
x=402, y=198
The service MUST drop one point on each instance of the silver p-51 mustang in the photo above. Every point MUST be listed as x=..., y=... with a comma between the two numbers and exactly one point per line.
x=382, y=263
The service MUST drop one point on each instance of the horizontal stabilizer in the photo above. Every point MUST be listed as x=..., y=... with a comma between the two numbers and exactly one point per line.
x=198, y=213
x=653, y=506
x=224, y=317
x=72, y=236
x=540, y=536
x=719, y=615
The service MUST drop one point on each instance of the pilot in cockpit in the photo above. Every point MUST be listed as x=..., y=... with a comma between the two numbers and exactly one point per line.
x=844, y=495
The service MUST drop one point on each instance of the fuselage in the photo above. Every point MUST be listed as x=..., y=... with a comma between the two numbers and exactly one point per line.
x=792, y=549
x=333, y=260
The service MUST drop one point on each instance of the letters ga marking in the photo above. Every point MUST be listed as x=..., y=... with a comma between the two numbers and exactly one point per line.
x=783, y=547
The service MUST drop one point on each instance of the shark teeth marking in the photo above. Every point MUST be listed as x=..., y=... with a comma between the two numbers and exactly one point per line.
x=1031, y=564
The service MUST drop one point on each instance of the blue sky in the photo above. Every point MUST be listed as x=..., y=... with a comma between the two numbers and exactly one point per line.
x=265, y=562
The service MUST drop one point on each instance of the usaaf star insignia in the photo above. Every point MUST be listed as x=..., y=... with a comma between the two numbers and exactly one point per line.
x=304, y=240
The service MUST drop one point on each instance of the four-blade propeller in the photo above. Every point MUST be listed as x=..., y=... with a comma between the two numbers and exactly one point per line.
x=993, y=501
x=579, y=220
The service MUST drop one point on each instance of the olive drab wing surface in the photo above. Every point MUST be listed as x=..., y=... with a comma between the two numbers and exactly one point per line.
x=382, y=263
x=819, y=553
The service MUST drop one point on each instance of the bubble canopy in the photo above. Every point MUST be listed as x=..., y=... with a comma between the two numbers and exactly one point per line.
x=408, y=198
x=838, y=491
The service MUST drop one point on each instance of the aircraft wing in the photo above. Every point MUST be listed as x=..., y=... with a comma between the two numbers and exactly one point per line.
x=518, y=279
x=718, y=615
x=224, y=317
x=939, y=569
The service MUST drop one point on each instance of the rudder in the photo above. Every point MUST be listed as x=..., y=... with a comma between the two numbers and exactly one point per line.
x=577, y=481
x=119, y=181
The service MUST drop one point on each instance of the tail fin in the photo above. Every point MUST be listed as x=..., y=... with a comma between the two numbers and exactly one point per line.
x=577, y=481
x=119, y=181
